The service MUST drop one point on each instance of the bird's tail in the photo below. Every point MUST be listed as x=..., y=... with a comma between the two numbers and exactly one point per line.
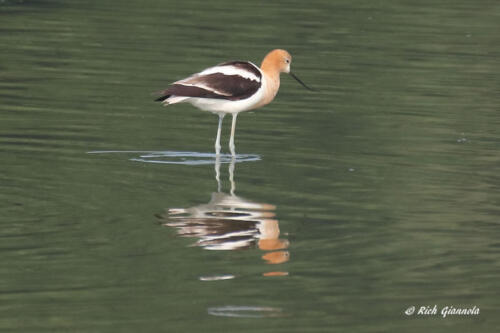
x=174, y=94
x=168, y=99
x=162, y=98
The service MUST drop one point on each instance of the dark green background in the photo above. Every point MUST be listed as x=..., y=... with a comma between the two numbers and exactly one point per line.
x=386, y=182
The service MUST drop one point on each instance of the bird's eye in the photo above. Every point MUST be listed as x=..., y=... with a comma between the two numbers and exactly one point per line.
x=287, y=61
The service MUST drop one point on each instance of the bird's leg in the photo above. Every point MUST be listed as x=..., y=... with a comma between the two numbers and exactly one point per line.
x=231, y=174
x=217, y=141
x=231, y=140
x=217, y=172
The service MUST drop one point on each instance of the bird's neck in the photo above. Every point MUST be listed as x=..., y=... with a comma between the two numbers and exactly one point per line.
x=271, y=86
x=271, y=78
x=273, y=82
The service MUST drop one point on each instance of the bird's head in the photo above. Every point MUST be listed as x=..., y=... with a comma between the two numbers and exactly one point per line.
x=278, y=60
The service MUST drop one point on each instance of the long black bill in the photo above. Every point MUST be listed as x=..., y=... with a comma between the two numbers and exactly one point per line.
x=300, y=81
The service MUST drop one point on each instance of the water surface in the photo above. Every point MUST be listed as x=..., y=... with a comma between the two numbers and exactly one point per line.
x=346, y=206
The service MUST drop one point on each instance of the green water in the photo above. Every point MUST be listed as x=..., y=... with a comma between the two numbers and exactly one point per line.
x=385, y=184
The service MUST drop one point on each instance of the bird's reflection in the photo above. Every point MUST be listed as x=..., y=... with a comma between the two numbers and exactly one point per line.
x=230, y=222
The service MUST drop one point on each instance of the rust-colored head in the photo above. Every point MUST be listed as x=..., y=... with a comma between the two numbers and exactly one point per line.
x=277, y=61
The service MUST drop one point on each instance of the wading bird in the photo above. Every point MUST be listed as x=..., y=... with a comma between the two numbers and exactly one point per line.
x=231, y=87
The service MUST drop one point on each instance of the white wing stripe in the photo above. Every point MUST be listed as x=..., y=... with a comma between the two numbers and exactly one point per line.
x=230, y=70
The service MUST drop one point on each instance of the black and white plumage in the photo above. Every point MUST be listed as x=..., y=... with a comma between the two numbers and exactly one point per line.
x=230, y=81
x=231, y=87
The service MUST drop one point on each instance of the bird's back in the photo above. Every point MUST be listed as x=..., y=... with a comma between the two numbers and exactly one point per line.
x=232, y=81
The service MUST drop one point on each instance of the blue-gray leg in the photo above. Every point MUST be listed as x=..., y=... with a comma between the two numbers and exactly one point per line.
x=217, y=140
x=231, y=140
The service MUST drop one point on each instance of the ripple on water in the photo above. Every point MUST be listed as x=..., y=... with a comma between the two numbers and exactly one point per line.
x=180, y=157
x=245, y=311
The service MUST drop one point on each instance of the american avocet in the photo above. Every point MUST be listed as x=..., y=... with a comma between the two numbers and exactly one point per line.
x=232, y=87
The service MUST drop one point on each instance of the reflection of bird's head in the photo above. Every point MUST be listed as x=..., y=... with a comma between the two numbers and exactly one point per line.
x=273, y=244
x=277, y=257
